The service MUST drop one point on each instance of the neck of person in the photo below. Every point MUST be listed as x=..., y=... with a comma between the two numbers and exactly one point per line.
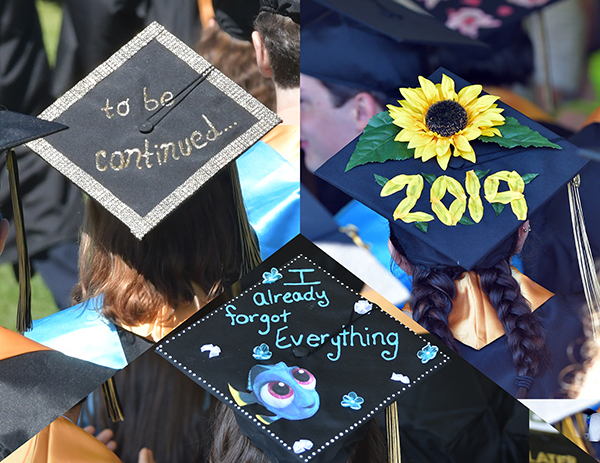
x=288, y=104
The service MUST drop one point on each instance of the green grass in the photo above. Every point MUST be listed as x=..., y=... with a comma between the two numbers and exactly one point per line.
x=50, y=14
x=42, y=303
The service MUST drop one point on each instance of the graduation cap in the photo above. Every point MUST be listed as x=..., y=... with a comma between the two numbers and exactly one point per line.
x=302, y=359
x=236, y=18
x=368, y=44
x=289, y=8
x=149, y=127
x=37, y=385
x=506, y=183
x=15, y=130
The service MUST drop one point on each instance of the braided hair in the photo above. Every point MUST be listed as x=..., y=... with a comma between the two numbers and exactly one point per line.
x=431, y=301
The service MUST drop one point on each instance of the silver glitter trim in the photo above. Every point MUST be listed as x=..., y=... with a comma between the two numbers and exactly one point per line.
x=140, y=225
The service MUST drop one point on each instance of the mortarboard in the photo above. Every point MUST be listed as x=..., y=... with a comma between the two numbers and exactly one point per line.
x=17, y=129
x=289, y=8
x=542, y=171
x=302, y=359
x=236, y=18
x=149, y=127
x=37, y=385
x=368, y=44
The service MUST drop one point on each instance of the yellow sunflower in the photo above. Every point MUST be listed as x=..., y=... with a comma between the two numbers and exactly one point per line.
x=435, y=118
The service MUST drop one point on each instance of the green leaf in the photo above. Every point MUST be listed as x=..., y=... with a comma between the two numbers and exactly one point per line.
x=481, y=173
x=423, y=226
x=464, y=220
x=514, y=134
x=377, y=143
x=429, y=177
x=381, y=181
x=528, y=177
x=498, y=207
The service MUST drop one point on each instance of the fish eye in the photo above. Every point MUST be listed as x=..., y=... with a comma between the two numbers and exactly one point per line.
x=304, y=378
x=277, y=394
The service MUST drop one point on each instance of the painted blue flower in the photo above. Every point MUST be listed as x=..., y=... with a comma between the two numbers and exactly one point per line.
x=352, y=400
x=262, y=352
x=427, y=353
x=272, y=276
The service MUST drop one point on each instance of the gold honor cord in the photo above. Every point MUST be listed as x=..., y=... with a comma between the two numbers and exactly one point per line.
x=393, y=433
x=111, y=400
x=24, y=306
x=587, y=267
x=248, y=240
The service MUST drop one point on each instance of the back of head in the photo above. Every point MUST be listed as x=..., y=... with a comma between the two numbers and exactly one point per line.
x=141, y=280
x=281, y=38
x=236, y=59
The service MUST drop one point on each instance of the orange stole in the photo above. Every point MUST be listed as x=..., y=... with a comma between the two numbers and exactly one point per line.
x=473, y=321
x=63, y=442
x=13, y=344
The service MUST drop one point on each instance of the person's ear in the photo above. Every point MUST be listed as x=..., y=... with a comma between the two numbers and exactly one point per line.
x=262, y=57
x=523, y=233
x=364, y=108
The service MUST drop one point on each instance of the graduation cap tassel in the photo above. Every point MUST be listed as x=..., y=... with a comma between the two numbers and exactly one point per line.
x=24, y=321
x=111, y=400
x=573, y=428
x=393, y=433
x=249, y=242
x=587, y=267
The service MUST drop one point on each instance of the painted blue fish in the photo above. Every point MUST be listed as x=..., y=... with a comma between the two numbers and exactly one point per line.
x=288, y=392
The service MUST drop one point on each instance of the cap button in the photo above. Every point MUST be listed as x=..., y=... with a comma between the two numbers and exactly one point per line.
x=456, y=163
x=300, y=351
x=146, y=127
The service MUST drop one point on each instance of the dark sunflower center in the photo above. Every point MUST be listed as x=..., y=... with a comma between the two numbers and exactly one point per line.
x=446, y=118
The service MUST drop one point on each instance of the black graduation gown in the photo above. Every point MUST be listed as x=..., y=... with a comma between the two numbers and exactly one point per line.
x=561, y=317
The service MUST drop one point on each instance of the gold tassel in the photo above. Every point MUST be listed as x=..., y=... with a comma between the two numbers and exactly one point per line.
x=111, y=400
x=591, y=287
x=24, y=321
x=249, y=242
x=573, y=427
x=393, y=433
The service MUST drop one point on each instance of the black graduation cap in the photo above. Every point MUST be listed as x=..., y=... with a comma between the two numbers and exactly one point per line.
x=302, y=358
x=368, y=44
x=289, y=8
x=474, y=241
x=149, y=127
x=37, y=385
x=236, y=18
x=15, y=130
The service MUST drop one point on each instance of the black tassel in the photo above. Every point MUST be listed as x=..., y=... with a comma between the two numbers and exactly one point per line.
x=24, y=321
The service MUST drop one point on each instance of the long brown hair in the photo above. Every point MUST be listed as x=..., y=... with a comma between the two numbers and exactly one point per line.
x=164, y=410
x=431, y=301
x=140, y=280
x=230, y=445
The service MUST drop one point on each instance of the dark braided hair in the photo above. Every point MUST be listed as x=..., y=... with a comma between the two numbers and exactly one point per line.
x=525, y=335
x=431, y=301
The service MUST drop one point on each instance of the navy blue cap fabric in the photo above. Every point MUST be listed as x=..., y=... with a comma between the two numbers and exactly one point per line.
x=479, y=245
